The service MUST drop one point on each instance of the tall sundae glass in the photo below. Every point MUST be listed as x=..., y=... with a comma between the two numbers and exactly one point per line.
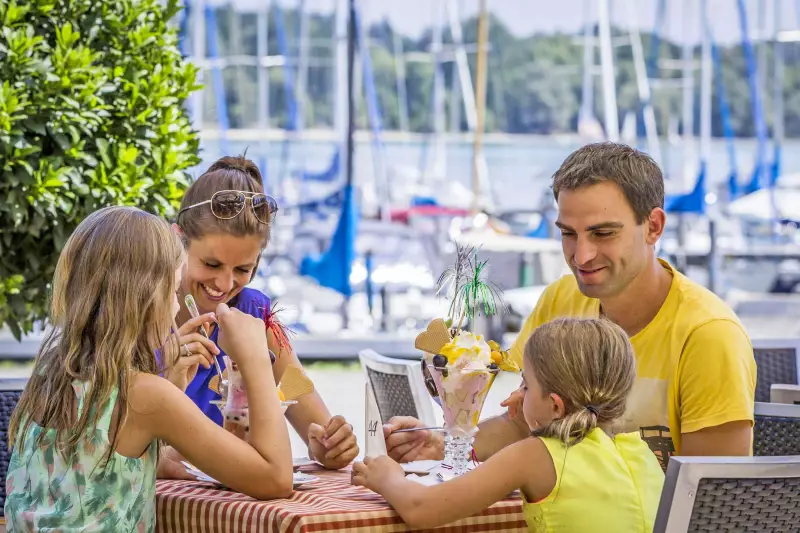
x=463, y=374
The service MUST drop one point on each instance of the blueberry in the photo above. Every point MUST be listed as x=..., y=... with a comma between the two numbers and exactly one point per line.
x=439, y=361
x=493, y=366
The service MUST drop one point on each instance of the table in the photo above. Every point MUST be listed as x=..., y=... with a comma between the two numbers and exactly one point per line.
x=329, y=504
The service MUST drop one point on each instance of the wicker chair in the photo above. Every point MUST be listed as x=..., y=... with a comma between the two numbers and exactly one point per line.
x=777, y=429
x=730, y=494
x=777, y=361
x=10, y=391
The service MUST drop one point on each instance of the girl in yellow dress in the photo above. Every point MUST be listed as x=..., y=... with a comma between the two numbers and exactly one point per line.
x=574, y=473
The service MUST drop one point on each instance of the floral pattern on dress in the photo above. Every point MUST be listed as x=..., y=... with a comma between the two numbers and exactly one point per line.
x=46, y=492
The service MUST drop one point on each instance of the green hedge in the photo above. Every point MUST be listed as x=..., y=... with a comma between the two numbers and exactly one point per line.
x=91, y=114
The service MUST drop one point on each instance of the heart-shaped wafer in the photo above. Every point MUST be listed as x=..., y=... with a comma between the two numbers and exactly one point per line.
x=433, y=339
x=295, y=383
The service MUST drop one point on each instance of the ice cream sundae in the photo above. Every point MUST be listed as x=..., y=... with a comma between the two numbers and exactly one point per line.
x=234, y=407
x=462, y=364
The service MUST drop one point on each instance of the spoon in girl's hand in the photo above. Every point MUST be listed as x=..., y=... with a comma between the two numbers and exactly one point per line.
x=192, y=307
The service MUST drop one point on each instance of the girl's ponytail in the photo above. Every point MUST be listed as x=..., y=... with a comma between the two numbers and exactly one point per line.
x=572, y=428
x=589, y=364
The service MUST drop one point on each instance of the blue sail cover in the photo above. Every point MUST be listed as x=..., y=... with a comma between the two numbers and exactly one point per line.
x=329, y=174
x=693, y=201
x=332, y=269
x=542, y=231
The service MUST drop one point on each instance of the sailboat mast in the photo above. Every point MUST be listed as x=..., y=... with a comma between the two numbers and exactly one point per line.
x=351, y=115
x=438, y=168
x=480, y=103
x=400, y=77
x=777, y=107
x=688, y=99
x=262, y=50
x=198, y=57
x=586, y=112
x=300, y=90
x=705, y=90
x=643, y=84
x=607, y=64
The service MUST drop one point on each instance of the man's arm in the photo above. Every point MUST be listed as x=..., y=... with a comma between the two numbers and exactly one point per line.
x=717, y=380
x=733, y=438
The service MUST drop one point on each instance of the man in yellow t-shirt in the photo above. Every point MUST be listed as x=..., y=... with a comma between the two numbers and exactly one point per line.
x=696, y=373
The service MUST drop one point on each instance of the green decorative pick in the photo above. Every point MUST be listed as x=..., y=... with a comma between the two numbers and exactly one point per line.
x=479, y=291
x=454, y=278
x=465, y=284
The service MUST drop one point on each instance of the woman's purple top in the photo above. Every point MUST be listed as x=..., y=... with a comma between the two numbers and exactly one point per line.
x=248, y=301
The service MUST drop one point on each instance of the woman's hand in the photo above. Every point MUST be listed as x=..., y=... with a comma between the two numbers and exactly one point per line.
x=376, y=473
x=334, y=445
x=194, y=349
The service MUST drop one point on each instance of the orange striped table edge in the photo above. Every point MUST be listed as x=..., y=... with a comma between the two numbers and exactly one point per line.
x=329, y=504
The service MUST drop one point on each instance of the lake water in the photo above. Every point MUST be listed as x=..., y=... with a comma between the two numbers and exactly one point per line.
x=515, y=163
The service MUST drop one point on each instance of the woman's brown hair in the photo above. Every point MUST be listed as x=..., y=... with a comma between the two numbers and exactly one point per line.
x=228, y=173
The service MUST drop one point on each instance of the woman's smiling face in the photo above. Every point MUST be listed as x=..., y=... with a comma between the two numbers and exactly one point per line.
x=218, y=266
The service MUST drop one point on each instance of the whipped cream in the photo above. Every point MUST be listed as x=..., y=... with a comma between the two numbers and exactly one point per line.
x=468, y=352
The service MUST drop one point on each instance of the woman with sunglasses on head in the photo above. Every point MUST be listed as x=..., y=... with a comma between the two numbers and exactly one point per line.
x=224, y=222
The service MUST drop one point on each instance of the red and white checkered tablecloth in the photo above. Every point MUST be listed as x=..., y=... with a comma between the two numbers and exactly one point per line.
x=329, y=504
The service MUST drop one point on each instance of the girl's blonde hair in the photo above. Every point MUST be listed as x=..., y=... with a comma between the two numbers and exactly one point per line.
x=111, y=309
x=589, y=363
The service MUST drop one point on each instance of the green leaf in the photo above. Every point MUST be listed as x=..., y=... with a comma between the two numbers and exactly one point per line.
x=128, y=155
x=92, y=97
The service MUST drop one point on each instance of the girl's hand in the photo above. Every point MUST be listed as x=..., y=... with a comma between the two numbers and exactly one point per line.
x=242, y=336
x=333, y=445
x=375, y=473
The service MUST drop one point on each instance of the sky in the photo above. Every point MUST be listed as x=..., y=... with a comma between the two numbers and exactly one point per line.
x=524, y=17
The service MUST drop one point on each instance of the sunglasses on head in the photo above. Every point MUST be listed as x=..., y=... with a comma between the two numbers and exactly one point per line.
x=229, y=204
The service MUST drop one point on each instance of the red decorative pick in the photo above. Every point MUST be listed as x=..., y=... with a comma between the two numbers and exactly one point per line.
x=279, y=331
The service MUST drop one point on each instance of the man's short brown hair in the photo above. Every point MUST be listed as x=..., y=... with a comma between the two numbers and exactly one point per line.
x=635, y=172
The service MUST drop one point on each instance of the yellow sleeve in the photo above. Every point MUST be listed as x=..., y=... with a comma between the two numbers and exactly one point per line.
x=716, y=377
x=538, y=316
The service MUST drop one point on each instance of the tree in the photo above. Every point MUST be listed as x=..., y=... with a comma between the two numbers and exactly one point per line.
x=91, y=114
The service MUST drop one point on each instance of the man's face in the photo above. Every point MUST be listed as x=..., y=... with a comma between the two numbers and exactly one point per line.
x=603, y=245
